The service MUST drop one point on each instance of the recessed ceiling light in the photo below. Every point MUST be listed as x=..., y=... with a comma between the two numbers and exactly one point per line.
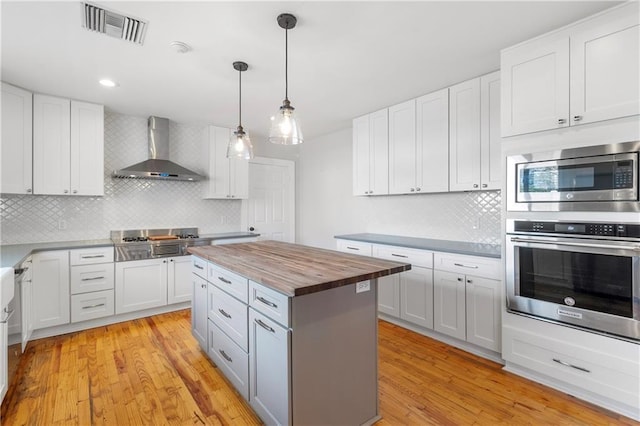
x=108, y=83
x=180, y=47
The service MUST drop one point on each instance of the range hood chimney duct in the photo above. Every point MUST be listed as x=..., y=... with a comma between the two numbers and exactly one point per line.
x=157, y=166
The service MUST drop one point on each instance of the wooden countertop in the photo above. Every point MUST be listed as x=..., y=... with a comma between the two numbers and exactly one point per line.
x=294, y=269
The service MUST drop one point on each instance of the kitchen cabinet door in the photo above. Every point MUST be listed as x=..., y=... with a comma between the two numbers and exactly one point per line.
x=416, y=290
x=535, y=87
x=490, y=139
x=402, y=148
x=605, y=58
x=51, y=145
x=17, y=141
x=228, y=179
x=432, y=142
x=50, y=279
x=269, y=369
x=483, y=305
x=371, y=154
x=87, y=149
x=26, y=300
x=199, y=321
x=4, y=359
x=389, y=295
x=140, y=284
x=464, y=136
x=449, y=304
x=179, y=285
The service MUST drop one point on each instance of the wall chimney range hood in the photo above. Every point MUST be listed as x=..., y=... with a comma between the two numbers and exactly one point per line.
x=157, y=166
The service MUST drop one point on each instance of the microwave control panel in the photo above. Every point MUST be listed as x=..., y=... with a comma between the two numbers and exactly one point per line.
x=623, y=175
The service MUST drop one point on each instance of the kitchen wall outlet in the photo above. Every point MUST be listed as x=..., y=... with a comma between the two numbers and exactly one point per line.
x=363, y=286
x=62, y=224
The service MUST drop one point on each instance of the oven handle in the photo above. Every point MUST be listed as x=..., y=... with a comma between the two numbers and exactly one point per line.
x=562, y=243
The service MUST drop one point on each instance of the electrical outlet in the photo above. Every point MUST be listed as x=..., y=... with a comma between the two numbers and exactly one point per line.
x=62, y=224
x=363, y=286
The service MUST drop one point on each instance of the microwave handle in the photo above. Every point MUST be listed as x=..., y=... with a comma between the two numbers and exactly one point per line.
x=606, y=246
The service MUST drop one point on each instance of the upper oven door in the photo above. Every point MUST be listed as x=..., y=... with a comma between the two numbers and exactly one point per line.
x=582, y=274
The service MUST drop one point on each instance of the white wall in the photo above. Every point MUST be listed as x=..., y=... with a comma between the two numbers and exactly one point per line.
x=326, y=206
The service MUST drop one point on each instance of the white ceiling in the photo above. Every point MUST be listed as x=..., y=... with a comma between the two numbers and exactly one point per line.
x=345, y=58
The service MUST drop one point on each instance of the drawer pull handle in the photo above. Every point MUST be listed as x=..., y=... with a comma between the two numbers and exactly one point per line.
x=266, y=302
x=92, y=279
x=265, y=326
x=224, y=280
x=198, y=266
x=353, y=248
x=225, y=356
x=224, y=313
x=93, y=256
x=566, y=364
x=465, y=266
x=93, y=306
x=399, y=255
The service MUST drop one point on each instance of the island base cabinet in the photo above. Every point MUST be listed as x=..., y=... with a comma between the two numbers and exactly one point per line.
x=269, y=357
x=230, y=359
x=199, y=310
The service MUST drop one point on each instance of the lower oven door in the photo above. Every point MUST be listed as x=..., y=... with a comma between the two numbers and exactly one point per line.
x=589, y=283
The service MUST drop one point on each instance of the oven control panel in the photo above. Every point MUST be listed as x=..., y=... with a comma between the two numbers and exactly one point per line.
x=578, y=228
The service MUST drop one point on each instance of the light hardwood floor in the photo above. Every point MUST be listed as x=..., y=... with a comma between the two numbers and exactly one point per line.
x=151, y=371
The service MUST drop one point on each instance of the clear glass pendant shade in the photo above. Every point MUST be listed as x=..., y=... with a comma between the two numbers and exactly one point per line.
x=240, y=146
x=285, y=127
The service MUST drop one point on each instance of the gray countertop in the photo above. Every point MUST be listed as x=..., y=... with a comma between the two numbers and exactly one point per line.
x=12, y=255
x=460, y=247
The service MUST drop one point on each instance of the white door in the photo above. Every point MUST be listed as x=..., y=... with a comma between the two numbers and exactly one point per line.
x=270, y=209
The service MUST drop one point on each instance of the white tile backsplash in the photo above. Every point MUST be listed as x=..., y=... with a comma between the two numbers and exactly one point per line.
x=127, y=203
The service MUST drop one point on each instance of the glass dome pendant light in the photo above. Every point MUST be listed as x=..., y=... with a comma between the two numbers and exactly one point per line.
x=240, y=144
x=285, y=127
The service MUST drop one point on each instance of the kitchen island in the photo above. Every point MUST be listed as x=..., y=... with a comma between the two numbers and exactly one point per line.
x=293, y=328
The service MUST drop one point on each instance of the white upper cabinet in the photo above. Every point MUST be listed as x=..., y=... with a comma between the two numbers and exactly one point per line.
x=464, y=136
x=68, y=147
x=584, y=73
x=371, y=154
x=402, y=148
x=490, y=139
x=432, y=142
x=228, y=179
x=16, y=167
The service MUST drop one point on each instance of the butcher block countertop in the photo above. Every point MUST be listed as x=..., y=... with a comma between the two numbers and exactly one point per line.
x=294, y=269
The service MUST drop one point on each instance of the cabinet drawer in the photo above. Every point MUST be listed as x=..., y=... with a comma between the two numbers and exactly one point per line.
x=88, y=278
x=199, y=267
x=468, y=265
x=229, y=314
x=269, y=302
x=230, y=359
x=91, y=305
x=403, y=254
x=234, y=284
x=355, y=247
x=91, y=255
x=607, y=374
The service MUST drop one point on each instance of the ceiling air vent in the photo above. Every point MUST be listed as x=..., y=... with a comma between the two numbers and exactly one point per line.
x=95, y=18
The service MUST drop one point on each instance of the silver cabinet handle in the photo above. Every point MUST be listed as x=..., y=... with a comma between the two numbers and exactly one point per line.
x=475, y=185
x=459, y=279
x=561, y=120
x=66, y=191
x=91, y=256
x=198, y=266
x=203, y=285
x=484, y=185
x=224, y=313
x=468, y=281
x=566, y=364
x=265, y=326
x=353, y=248
x=224, y=280
x=29, y=190
x=465, y=266
x=224, y=355
x=93, y=306
x=399, y=255
x=266, y=302
x=92, y=279
x=577, y=118
x=418, y=189
x=413, y=189
x=370, y=192
x=75, y=191
x=563, y=243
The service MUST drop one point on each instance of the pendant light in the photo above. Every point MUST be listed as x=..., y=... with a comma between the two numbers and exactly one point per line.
x=285, y=127
x=240, y=144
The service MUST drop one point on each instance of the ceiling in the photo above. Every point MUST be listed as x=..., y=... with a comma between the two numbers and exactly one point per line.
x=345, y=58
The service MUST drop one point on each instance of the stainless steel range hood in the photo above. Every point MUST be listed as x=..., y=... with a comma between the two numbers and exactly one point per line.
x=157, y=166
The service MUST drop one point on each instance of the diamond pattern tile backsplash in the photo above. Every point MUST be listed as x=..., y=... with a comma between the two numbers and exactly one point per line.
x=127, y=203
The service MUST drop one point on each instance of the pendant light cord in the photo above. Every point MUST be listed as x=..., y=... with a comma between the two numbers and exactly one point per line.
x=286, y=64
x=240, y=98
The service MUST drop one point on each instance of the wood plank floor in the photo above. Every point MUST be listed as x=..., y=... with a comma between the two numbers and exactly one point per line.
x=151, y=371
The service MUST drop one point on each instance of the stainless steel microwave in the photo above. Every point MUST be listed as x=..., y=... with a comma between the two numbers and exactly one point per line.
x=595, y=178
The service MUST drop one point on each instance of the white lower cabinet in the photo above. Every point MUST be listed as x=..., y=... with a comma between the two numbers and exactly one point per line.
x=92, y=305
x=141, y=284
x=179, y=282
x=199, y=321
x=50, y=277
x=449, y=304
x=416, y=296
x=4, y=359
x=230, y=358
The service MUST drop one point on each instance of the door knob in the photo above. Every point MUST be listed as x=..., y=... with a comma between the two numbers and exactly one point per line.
x=251, y=228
